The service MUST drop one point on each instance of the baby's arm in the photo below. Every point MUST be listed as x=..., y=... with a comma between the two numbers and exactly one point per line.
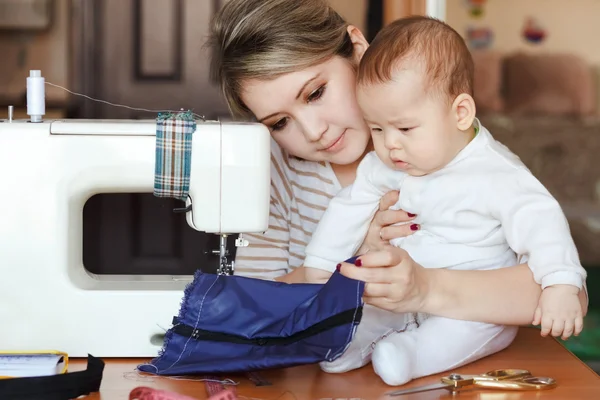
x=535, y=226
x=344, y=224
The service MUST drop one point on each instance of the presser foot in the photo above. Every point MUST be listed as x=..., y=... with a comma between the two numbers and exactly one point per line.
x=227, y=267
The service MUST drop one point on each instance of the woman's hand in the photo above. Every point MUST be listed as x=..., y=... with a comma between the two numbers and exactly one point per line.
x=382, y=228
x=394, y=281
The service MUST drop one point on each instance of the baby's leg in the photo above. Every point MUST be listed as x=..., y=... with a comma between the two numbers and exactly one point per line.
x=437, y=345
x=375, y=324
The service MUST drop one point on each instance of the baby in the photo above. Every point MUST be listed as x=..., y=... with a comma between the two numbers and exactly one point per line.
x=477, y=204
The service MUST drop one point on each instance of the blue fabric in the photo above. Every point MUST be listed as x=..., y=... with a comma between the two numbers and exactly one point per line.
x=237, y=324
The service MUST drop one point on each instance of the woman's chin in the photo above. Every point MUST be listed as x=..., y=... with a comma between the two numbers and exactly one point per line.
x=349, y=155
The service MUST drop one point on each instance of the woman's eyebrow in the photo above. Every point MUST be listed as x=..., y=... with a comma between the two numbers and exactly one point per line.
x=267, y=117
x=306, y=84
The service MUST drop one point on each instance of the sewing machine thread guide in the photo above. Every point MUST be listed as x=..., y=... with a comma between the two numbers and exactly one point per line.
x=258, y=379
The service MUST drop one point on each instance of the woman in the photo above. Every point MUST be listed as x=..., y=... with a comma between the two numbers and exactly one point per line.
x=291, y=65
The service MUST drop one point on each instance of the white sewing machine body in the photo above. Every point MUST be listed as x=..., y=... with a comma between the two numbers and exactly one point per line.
x=48, y=300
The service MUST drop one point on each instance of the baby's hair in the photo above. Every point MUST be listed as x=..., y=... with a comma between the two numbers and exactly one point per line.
x=263, y=39
x=423, y=42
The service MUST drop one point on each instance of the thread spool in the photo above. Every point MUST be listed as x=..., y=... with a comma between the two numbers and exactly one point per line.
x=36, y=96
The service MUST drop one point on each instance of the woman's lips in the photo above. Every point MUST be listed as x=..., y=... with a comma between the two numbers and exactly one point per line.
x=336, y=145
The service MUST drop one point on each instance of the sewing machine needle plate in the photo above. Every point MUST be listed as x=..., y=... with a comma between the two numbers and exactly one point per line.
x=419, y=389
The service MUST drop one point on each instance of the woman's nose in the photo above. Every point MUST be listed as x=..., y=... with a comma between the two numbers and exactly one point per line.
x=314, y=126
x=315, y=132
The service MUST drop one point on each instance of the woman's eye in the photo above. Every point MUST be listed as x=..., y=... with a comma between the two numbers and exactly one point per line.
x=279, y=125
x=317, y=94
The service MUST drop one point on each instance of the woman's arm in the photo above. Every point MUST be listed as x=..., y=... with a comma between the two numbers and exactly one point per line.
x=502, y=296
x=396, y=283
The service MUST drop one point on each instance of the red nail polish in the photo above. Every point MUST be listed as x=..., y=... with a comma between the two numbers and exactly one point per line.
x=358, y=262
x=411, y=215
x=414, y=227
x=337, y=267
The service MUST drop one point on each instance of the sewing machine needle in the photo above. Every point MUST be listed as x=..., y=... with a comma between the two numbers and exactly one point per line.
x=419, y=389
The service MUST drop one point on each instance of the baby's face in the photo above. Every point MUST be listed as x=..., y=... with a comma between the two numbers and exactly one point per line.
x=411, y=131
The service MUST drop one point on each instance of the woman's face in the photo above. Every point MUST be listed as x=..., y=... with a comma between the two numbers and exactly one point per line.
x=313, y=114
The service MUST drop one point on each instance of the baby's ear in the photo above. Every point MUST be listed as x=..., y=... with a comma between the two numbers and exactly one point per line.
x=464, y=110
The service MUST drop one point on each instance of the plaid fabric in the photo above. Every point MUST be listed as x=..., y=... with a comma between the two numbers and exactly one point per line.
x=173, y=154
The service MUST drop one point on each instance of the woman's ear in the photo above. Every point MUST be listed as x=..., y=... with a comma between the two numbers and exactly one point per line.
x=464, y=110
x=358, y=41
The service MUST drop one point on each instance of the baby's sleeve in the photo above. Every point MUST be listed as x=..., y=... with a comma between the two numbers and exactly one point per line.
x=346, y=221
x=536, y=228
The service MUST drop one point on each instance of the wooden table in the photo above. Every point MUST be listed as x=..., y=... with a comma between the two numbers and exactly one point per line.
x=541, y=356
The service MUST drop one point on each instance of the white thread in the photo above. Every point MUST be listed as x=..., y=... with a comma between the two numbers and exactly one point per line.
x=118, y=105
x=36, y=96
x=135, y=375
x=143, y=377
x=161, y=327
x=226, y=381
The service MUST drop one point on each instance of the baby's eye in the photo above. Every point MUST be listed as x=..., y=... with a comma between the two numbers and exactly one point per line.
x=405, y=129
x=279, y=125
x=376, y=129
x=317, y=94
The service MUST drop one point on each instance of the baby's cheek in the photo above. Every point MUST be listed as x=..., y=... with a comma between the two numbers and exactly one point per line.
x=424, y=153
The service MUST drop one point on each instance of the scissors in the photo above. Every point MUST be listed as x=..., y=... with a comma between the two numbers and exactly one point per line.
x=505, y=379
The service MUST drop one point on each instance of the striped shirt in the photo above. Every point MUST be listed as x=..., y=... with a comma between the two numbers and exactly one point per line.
x=300, y=193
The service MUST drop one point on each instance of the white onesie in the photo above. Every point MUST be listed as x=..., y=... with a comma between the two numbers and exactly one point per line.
x=478, y=212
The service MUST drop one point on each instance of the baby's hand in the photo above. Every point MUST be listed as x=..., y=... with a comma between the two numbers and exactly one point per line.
x=559, y=311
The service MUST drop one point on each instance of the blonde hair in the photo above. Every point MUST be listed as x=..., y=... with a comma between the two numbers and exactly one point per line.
x=432, y=44
x=263, y=39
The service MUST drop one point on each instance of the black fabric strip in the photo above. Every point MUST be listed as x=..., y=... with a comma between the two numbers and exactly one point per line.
x=55, y=387
x=345, y=317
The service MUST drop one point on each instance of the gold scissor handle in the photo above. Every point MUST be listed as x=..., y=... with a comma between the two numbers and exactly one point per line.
x=503, y=374
x=526, y=383
x=508, y=379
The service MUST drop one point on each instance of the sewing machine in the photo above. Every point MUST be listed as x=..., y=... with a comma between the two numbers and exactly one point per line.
x=49, y=169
